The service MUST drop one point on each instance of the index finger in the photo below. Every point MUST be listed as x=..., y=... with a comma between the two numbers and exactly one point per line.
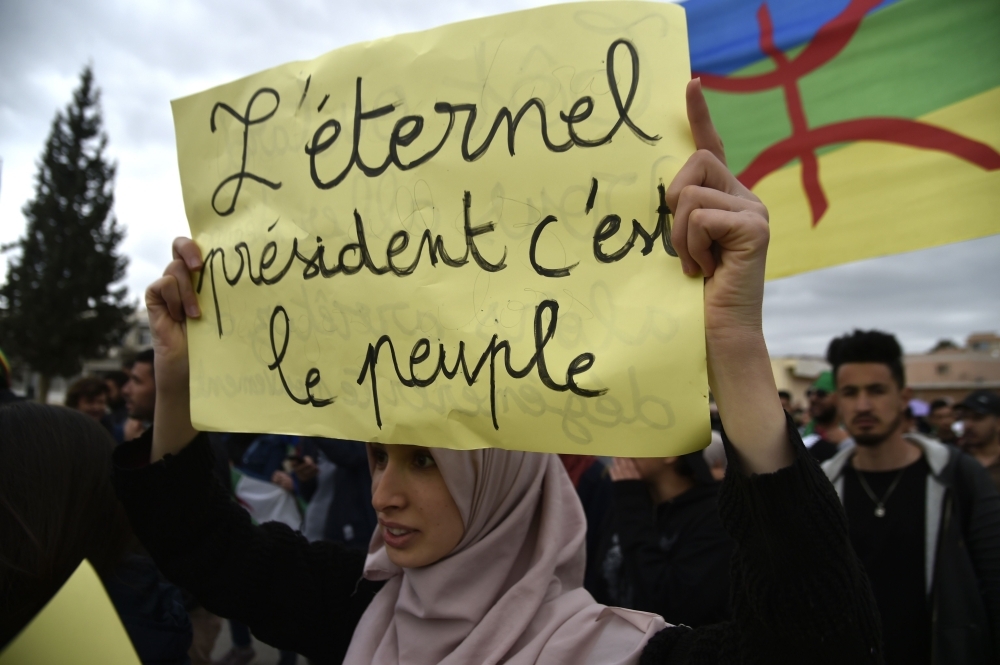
x=700, y=120
x=186, y=250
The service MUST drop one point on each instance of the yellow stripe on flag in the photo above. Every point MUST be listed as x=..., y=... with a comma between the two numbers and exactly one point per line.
x=887, y=199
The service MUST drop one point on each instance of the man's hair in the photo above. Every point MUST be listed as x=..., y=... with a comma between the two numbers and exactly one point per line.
x=119, y=377
x=938, y=404
x=88, y=387
x=144, y=356
x=868, y=346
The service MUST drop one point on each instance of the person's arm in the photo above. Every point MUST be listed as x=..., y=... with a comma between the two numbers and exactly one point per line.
x=799, y=593
x=721, y=231
x=685, y=584
x=297, y=596
x=292, y=594
x=170, y=300
x=983, y=540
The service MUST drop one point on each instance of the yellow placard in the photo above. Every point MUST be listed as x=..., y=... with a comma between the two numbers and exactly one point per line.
x=452, y=238
x=79, y=625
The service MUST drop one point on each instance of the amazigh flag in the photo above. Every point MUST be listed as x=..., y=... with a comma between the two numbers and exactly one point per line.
x=868, y=127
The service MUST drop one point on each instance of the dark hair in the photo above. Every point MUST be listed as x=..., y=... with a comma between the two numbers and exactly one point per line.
x=119, y=377
x=938, y=404
x=57, y=506
x=694, y=466
x=784, y=394
x=868, y=346
x=88, y=387
x=144, y=356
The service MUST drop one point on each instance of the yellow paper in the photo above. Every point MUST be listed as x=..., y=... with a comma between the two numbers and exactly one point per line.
x=79, y=626
x=474, y=248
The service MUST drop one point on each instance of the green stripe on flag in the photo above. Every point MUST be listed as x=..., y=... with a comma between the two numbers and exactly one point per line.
x=906, y=60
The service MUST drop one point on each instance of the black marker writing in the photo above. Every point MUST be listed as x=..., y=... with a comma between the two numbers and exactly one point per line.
x=422, y=349
x=611, y=224
x=535, y=235
x=592, y=197
x=312, y=376
x=408, y=128
x=352, y=258
x=305, y=91
x=246, y=121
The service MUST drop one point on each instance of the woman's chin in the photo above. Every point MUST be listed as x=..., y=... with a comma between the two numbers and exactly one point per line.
x=411, y=557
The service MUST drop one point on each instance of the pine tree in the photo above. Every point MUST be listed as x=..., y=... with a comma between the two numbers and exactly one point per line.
x=59, y=305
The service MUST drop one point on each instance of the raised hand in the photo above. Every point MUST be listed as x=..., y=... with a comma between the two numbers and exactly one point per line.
x=624, y=468
x=720, y=227
x=721, y=231
x=170, y=300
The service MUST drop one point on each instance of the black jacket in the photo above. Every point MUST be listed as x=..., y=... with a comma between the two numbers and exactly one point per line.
x=799, y=595
x=965, y=604
x=152, y=611
x=594, y=492
x=963, y=507
x=671, y=559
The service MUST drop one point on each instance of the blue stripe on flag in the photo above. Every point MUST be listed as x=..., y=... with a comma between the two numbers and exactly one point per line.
x=724, y=34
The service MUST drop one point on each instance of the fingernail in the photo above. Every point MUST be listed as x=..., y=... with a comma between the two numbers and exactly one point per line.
x=193, y=311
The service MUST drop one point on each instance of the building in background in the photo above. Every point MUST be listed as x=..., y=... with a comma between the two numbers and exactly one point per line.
x=951, y=371
x=796, y=373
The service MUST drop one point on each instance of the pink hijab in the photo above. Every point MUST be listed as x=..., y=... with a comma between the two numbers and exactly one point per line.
x=511, y=591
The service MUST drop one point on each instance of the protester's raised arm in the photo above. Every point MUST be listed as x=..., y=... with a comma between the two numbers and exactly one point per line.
x=170, y=300
x=721, y=230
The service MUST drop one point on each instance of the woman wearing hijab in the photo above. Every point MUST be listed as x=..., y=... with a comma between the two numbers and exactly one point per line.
x=479, y=554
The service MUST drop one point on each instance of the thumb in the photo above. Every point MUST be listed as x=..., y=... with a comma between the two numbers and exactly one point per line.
x=700, y=120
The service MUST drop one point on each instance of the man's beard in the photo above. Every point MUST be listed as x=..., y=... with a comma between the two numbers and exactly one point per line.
x=874, y=439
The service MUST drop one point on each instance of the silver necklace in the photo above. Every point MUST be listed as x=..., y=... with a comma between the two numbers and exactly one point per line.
x=880, y=503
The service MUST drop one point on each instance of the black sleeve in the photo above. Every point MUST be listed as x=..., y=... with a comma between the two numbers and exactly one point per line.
x=982, y=536
x=799, y=594
x=294, y=595
x=685, y=584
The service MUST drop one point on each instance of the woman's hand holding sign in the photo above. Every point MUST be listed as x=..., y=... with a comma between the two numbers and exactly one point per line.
x=170, y=300
x=720, y=229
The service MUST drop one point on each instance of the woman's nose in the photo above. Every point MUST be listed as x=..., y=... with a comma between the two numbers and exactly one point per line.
x=388, y=489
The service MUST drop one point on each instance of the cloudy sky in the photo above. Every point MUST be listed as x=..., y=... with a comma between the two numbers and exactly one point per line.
x=146, y=53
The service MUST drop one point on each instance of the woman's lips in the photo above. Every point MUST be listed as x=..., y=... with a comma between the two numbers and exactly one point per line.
x=397, y=536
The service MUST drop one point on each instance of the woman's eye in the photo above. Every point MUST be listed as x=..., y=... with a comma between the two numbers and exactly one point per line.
x=423, y=460
x=380, y=456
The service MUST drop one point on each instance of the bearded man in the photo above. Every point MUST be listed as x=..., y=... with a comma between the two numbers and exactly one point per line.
x=924, y=518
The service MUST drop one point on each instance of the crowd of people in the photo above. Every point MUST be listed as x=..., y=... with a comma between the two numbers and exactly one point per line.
x=748, y=551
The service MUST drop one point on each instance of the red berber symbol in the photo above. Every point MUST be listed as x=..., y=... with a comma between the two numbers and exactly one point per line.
x=830, y=40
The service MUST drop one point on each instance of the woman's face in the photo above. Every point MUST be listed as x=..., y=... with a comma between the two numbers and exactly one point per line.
x=419, y=520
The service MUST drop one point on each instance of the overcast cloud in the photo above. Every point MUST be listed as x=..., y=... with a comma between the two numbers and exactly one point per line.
x=146, y=53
